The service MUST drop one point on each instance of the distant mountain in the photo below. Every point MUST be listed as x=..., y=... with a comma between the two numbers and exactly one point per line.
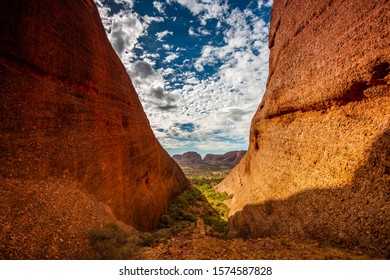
x=234, y=157
x=189, y=158
x=193, y=159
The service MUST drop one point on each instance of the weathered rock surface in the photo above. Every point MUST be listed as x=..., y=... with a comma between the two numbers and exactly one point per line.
x=69, y=113
x=318, y=163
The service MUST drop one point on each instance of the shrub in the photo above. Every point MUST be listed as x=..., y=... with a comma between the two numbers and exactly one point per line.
x=180, y=213
x=111, y=243
x=147, y=239
x=166, y=221
x=202, y=201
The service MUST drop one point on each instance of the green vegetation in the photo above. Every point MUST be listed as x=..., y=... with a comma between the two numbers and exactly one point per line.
x=111, y=243
x=200, y=203
x=210, y=172
x=214, y=198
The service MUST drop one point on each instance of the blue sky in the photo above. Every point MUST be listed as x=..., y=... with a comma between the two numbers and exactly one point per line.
x=199, y=66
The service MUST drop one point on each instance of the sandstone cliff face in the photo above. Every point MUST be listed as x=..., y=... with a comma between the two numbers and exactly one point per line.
x=318, y=163
x=69, y=113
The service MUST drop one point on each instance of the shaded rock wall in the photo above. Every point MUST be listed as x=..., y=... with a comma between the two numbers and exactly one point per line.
x=68, y=110
x=318, y=161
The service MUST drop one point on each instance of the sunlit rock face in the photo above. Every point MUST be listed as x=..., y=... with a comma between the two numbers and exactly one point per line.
x=318, y=163
x=69, y=111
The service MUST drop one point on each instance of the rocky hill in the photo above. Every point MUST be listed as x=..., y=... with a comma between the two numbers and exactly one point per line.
x=76, y=147
x=193, y=159
x=188, y=158
x=233, y=157
x=318, y=164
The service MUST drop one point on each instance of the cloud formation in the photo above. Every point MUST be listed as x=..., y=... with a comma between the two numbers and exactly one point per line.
x=199, y=66
x=206, y=9
x=162, y=34
x=150, y=87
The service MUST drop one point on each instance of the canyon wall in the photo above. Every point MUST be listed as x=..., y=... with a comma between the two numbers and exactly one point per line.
x=318, y=164
x=73, y=132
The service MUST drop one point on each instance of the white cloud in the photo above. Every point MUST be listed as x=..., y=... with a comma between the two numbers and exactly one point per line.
x=199, y=31
x=123, y=28
x=172, y=56
x=199, y=67
x=241, y=67
x=211, y=103
x=149, y=19
x=167, y=71
x=205, y=9
x=126, y=28
x=128, y=3
x=204, y=31
x=192, y=81
x=98, y=3
x=167, y=47
x=191, y=32
x=104, y=15
x=150, y=87
x=162, y=34
x=262, y=3
x=220, y=105
x=193, y=5
x=159, y=6
x=150, y=57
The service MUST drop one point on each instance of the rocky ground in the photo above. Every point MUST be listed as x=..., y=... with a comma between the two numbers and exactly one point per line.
x=195, y=228
x=192, y=244
x=49, y=221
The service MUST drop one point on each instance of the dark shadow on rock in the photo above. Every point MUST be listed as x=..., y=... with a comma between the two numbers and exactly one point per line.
x=357, y=215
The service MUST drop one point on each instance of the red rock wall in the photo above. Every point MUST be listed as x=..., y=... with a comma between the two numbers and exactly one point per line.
x=318, y=163
x=68, y=110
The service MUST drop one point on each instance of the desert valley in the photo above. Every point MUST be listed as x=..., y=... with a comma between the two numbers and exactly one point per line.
x=83, y=175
